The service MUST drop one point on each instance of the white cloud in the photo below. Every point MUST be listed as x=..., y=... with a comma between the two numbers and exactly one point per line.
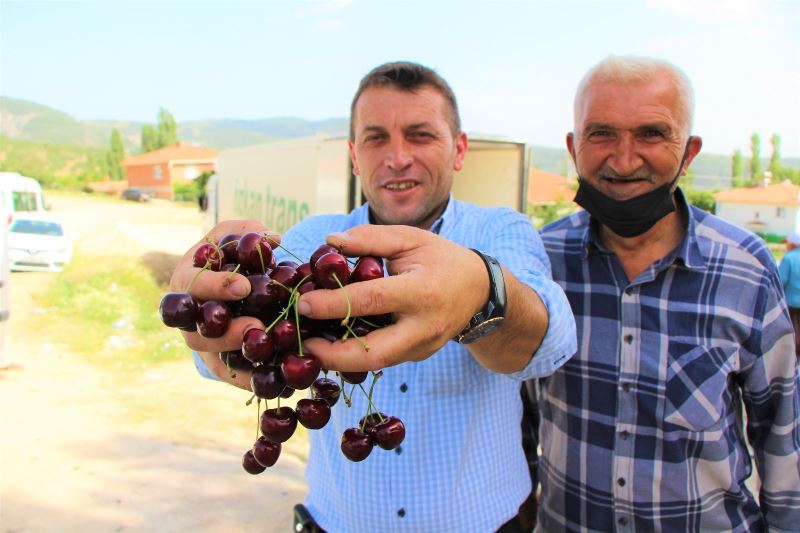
x=322, y=8
x=329, y=24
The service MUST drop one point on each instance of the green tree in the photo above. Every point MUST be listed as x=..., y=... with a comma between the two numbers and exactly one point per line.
x=167, y=129
x=775, y=159
x=756, y=172
x=116, y=153
x=737, y=169
x=149, y=138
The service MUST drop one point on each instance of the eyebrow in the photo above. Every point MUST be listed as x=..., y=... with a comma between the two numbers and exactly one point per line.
x=660, y=126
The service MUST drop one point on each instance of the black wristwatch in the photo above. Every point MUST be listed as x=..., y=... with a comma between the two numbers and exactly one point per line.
x=492, y=315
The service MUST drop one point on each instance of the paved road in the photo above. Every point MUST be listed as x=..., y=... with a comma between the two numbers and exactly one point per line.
x=69, y=462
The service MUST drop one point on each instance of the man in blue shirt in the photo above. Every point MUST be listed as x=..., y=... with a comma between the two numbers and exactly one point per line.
x=789, y=270
x=461, y=466
x=681, y=323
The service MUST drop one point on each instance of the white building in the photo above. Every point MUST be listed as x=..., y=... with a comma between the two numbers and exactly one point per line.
x=773, y=208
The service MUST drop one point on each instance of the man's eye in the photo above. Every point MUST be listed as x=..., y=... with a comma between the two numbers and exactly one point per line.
x=599, y=134
x=373, y=137
x=653, y=134
x=421, y=135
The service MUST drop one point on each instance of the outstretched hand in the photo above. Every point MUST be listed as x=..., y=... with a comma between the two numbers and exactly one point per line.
x=220, y=286
x=434, y=288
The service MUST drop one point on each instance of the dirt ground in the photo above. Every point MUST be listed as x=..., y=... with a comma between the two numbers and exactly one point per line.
x=71, y=461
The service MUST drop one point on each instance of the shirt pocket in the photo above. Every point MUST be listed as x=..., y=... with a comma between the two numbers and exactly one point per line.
x=697, y=389
x=452, y=370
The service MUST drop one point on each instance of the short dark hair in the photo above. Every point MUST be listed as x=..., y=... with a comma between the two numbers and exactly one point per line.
x=407, y=76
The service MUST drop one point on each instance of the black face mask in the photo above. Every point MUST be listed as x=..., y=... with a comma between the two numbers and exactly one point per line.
x=634, y=216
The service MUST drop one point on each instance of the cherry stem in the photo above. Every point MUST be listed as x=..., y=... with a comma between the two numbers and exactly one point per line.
x=356, y=337
x=191, y=282
x=248, y=402
x=346, y=319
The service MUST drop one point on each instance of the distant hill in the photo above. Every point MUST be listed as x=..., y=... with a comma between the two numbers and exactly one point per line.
x=21, y=120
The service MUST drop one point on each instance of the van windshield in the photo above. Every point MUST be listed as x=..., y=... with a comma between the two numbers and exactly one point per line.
x=37, y=227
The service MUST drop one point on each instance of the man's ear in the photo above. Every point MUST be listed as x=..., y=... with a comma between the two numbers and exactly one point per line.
x=353, y=159
x=693, y=147
x=462, y=144
x=571, y=147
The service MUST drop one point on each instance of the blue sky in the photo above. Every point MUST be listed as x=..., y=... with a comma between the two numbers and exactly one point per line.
x=514, y=65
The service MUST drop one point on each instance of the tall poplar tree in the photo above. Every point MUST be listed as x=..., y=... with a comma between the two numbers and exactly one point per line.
x=756, y=172
x=775, y=159
x=116, y=153
x=149, y=138
x=737, y=169
x=167, y=129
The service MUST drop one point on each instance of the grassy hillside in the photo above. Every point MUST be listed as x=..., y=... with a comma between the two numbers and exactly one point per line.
x=54, y=165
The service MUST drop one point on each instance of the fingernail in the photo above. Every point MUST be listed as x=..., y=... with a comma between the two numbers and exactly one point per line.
x=303, y=307
x=239, y=288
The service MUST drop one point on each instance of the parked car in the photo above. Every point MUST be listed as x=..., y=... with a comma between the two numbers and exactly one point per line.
x=136, y=195
x=38, y=242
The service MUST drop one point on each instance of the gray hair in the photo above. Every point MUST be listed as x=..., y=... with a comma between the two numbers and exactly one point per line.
x=632, y=69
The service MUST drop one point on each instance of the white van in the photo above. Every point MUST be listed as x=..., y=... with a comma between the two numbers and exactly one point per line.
x=19, y=193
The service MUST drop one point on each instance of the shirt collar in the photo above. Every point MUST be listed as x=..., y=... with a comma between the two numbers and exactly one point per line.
x=687, y=252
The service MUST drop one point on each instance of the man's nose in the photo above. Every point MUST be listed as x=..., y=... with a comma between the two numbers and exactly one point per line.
x=398, y=156
x=625, y=158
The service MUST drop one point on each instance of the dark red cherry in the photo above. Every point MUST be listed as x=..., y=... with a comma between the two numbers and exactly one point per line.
x=304, y=270
x=300, y=371
x=389, y=433
x=326, y=389
x=284, y=335
x=250, y=464
x=254, y=253
x=257, y=345
x=263, y=297
x=278, y=424
x=307, y=286
x=266, y=453
x=354, y=377
x=208, y=256
x=313, y=413
x=287, y=392
x=356, y=445
x=367, y=423
x=319, y=252
x=234, y=360
x=367, y=268
x=227, y=245
x=286, y=279
x=267, y=381
x=331, y=271
x=212, y=319
x=178, y=310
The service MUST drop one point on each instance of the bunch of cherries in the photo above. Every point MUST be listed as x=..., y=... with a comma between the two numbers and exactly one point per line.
x=274, y=355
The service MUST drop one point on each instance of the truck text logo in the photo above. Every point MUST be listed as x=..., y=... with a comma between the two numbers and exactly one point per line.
x=277, y=212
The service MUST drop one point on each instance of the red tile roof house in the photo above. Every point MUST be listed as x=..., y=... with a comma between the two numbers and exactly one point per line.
x=156, y=171
x=545, y=188
x=773, y=208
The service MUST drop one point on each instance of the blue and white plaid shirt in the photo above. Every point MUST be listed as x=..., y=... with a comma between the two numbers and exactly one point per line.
x=461, y=467
x=642, y=430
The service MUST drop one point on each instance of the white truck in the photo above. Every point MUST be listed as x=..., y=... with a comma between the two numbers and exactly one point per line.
x=280, y=183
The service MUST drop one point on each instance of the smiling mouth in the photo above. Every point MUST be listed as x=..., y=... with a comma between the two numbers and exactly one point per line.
x=400, y=186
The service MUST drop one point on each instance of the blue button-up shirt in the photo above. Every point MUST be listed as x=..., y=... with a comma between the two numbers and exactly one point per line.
x=642, y=430
x=461, y=466
x=790, y=277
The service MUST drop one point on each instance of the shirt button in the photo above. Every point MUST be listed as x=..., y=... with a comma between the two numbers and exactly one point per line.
x=401, y=512
x=623, y=521
x=626, y=387
x=398, y=450
x=403, y=387
x=629, y=338
x=621, y=482
x=624, y=435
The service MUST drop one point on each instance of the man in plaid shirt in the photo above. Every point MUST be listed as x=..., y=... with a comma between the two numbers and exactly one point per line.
x=681, y=322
